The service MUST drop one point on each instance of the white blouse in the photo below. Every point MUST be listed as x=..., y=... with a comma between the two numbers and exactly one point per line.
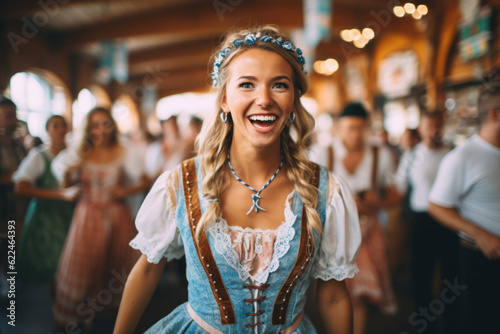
x=33, y=166
x=254, y=253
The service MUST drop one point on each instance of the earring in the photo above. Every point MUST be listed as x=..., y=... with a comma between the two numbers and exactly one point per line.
x=223, y=117
x=292, y=117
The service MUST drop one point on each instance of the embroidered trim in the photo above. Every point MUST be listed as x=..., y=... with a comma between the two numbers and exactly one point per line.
x=251, y=39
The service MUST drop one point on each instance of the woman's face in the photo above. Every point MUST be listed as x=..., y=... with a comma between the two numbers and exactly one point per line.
x=57, y=129
x=101, y=128
x=259, y=95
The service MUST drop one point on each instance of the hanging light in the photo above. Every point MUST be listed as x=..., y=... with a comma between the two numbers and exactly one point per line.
x=368, y=33
x=409, y=8
x=317, y=66
x=346, y=35
x=360, y=41
x=416, y=15
x=331, y=65
x=422, y=9
x=399, y=11
x=355, y=33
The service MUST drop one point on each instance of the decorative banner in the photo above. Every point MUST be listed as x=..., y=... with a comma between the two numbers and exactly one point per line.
x=317, y=21
x=397, y=74
x=120, y=62
x=113, y=63
x=475, y=37
x=103, y=74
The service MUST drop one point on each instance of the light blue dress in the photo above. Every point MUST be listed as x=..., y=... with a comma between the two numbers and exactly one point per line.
x=164, y=231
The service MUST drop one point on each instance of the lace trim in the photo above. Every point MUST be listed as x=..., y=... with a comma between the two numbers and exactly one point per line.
x=285, y=232
x=248, y=230
x=338, y=273
x=154, y=253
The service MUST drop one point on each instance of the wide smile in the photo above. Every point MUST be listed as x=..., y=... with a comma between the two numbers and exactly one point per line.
x=263, y=123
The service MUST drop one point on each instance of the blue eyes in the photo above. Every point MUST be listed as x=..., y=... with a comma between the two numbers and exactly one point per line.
x=281, y=85
x=278, y=85
x=246, y=85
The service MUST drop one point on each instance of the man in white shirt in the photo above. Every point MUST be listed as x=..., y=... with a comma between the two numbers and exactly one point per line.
x=430, y=242
x=369, y=172
x=466, y=198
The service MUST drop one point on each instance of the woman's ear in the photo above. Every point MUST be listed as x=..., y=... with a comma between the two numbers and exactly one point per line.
x=224, y=105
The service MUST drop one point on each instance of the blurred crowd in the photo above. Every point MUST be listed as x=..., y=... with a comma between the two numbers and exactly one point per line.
x=74, y=205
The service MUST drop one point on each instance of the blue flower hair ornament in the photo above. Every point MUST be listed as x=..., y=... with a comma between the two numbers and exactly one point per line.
x=251, y=39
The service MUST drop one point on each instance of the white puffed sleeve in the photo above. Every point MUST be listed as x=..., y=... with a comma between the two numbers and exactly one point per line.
x=158, y=235
x=341, y=236
x=31, y=168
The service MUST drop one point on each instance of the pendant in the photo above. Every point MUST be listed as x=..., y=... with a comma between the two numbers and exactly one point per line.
x=255, y=199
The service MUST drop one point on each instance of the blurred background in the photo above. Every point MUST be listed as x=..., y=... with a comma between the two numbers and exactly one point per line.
x=148, y=62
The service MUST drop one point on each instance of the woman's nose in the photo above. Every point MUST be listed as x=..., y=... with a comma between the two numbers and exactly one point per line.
x=264, y=99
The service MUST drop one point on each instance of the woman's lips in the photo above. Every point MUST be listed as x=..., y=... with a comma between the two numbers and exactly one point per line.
x=263, y=123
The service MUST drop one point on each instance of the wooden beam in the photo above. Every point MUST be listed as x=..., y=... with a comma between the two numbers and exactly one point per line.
x=197, y=87
x=173, y=51
x=186, y=19
x=10, y=9
x=171, y=64
x=160, y=80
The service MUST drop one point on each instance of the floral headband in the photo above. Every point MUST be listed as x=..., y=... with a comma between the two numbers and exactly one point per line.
x=250, y=39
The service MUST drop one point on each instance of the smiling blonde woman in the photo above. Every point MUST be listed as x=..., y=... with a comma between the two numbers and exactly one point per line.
x=254, y=217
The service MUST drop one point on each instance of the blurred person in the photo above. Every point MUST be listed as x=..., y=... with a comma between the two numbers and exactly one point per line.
x=193, y=130
x=154, y=159
x=465, y=198
x=390, y=218
x=167, y=151
x=431, y=244
x=383, y=141
x=172, y=143
x=408, y=140
x=49, y=214
x=12, y=152
x=368, y=171
x=249, y=270
x=35, y=142
x=96, y=251
x=136, y=146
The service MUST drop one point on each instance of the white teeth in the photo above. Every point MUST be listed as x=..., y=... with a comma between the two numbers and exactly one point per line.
x=263, y=118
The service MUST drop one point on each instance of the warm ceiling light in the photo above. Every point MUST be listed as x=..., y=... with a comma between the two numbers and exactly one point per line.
x=346, y=35
x=409, y=8
x=331, y=65
x=416, y=15
x=368, y=33
x=355, y=33
x=422, y=9
x=360, y=41
x=399, y=11
x=317, y=66
x=323, y=69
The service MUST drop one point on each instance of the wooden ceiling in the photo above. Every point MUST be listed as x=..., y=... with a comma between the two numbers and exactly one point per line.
x=173, y=37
